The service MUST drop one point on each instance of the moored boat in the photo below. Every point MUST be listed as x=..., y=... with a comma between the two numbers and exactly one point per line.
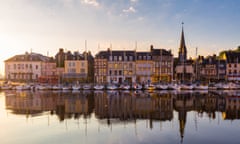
x=57, y=87
x=23, y=87
x=162, y=86
x=150, y=87
x=6, y=87
x=137, y=86
x=86, y=87
x=187, y=87
x=112, y=87
x=76, y=87
x=98, y=87
x=200, y=87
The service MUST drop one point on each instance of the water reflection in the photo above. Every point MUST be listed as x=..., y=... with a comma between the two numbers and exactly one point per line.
x=110, y=107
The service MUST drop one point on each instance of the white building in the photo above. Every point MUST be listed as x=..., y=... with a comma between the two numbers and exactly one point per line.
x=27, y=67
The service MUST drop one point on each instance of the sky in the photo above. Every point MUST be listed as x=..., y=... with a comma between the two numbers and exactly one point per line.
x=44, y=26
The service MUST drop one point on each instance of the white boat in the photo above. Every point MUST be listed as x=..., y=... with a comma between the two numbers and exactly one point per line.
x=66, y=88
x=6, y=87
x=23, y=87
x=187, y=87
x=76, y=87
x=87, y=87
x=212, y=86
x=137, y=86
x=42, y=87
x=150, y=87
x=201, y=87
x=225, y=86
x=57, y=87
x=174, y=87
x=125, y=87
x=112, y=87
x=233, y=86
x=98, y=87
x=162, y=86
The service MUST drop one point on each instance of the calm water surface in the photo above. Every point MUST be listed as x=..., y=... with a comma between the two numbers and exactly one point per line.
x=119, y=117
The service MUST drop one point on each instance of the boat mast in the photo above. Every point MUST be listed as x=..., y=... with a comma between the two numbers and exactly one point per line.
x=196, y=63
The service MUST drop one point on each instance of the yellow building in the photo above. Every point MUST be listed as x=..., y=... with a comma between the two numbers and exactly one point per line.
x=144, y=67
x=75, y=70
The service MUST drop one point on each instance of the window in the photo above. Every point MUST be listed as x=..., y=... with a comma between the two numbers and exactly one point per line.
x=120, y=72
x=125, y=58
x=120, y=58
x=115, y=65
x=14, y=66
x=83, y=64
x=148, y=57
x=82, y=70
x=130, y=58
x=110, y=58
x=115, y=72
x=110, y=72
x=36, y=66
x=130, y=65
x=115, y=58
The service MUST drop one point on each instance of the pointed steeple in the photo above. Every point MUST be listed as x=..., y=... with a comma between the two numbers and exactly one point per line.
x=182, y=53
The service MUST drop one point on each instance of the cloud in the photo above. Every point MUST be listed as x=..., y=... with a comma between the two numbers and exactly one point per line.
x=90, y=2
x=130, y=10
x=133, y=1
x=140, y=18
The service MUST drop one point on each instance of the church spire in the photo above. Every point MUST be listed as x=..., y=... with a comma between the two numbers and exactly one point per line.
x=182, y=54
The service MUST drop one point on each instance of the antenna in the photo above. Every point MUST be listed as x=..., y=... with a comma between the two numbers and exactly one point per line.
x=135, y=45
x=86, y=45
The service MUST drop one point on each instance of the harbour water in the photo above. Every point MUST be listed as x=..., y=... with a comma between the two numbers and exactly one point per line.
x=119, y=117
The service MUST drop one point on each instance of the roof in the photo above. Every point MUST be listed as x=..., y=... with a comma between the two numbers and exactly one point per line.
x=233, y=56
x=158, y=52
x=29, y=57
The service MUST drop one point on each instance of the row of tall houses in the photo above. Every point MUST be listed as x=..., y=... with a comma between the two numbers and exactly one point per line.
x=65, y=67
x=132, y=66
x=119, y=66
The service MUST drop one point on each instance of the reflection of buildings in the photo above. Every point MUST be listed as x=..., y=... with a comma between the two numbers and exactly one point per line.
x=183, y=103
x=110, y=106
x=200, y=102
x=127, y=105
x=232, y=107
x=65, y=105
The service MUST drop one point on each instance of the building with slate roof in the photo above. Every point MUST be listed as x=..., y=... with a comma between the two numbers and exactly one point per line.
x=30, y=67
x=163, y=64
x=233, y=65
x=211, y=68
x=130, y=66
